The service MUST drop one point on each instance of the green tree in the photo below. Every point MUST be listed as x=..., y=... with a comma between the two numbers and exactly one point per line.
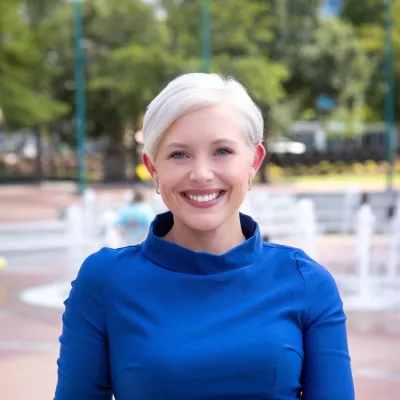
x=369, y=19
x=241, y=34
x=336, y=64
x=134, y=49
x=21, y=66
x=128, y=66
x=368, y=12
x=294, y=27
x=25, y=84
x=39, y=16
x=324, y=56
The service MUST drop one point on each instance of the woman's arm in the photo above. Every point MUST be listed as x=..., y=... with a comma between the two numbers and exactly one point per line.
x=327, y=369
x=83, y=370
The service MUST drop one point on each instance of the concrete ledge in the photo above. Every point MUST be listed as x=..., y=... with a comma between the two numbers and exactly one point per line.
x=33, y=227
x=38, y=245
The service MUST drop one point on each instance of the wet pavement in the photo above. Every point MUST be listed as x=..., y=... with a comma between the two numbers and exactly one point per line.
x=29, y=334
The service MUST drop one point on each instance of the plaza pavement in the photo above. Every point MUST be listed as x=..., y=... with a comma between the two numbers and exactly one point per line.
x=29, y=334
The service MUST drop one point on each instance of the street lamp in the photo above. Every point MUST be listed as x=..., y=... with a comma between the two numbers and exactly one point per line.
x=389, y=94
x=206, y=36
x=80, y=102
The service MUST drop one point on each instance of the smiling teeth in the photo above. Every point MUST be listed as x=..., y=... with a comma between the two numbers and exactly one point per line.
x=203, y=199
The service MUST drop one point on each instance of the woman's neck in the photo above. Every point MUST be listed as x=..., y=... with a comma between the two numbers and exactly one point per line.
x=218, y=241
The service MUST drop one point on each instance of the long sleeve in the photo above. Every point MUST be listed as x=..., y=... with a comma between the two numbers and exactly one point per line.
x=327, y=369
x=83, y=370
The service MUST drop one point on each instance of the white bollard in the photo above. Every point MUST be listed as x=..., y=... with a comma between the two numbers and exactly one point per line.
x=394, y=246
x=111, y=236
x=90, y=212
x=128, y=196
x=75, y=224
x=76, y=239
x=307, y=226
x=351, y=199
x=365, y=226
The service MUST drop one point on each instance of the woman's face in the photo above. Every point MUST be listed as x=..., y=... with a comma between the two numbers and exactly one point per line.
x=203, y=165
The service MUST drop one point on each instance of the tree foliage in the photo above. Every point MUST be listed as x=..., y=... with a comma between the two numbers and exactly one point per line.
x=25, y=91
x=283, y=52
x=369, y=18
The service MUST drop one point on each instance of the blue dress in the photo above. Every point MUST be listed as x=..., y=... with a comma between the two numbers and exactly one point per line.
x=158, y=321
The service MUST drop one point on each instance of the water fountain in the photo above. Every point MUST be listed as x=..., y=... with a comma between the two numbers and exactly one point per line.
x=351, y=200
x=367, y=289
x=363, y=289
x=307, y=227
x=394, y=247
x=89, y=226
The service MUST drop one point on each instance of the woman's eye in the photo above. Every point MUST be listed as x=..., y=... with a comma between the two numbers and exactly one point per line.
x=178, y=154
x=223, y=152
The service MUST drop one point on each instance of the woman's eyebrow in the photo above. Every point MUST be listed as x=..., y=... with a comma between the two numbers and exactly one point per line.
x=182, y=145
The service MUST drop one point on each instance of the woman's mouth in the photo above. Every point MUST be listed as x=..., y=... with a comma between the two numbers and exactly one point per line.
x=203, y=198
x=207, y=199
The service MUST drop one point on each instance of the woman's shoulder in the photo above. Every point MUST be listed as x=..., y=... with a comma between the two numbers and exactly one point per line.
x=296, y=259
x=321, y=291
x=121, y=253
x=107, y=261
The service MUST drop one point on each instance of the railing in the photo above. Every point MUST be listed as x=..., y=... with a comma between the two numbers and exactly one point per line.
x=314, y=157
x=57, y=167
x=64, y=167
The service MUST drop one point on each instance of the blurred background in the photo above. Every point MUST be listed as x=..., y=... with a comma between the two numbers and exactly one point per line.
x=75, y=79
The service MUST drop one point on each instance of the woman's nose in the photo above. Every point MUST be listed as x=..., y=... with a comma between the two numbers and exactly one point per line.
x=201, y=172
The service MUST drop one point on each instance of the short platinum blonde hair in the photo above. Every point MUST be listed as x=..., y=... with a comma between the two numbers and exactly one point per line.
x=191, y=92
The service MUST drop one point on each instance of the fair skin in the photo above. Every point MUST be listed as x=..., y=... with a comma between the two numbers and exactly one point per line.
x=202, y=166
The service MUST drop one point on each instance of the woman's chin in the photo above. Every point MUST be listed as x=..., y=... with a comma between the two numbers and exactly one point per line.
x=203, y=223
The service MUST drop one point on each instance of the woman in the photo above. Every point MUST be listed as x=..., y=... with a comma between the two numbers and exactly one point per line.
x=203, y=309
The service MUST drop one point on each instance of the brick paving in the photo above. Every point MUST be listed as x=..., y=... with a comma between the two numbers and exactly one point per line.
x=29, y=335
x=41, y=202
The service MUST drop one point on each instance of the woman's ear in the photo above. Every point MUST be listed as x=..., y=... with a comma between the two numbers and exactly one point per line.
x=259, y=156
x=150, y=166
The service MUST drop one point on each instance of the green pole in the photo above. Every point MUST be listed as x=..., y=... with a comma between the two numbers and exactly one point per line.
x=389, y=94
x=206, y=36
x=80, y=102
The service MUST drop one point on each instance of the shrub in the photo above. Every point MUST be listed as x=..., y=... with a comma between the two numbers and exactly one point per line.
x=300, y=169
x=371, y=167
x=339, y=167
x=357, y=168
x=396, y=166
x=275, y=171
x=324, y=167
x=382, y=167
x=289, y=171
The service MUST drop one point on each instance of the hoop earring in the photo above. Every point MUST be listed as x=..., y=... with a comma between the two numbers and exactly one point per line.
x=250, y=184
x=158, y=189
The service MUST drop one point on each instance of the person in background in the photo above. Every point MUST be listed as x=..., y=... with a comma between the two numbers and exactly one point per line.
x=392, y=209
x=203, y=308
x=364, y=199
x=265, y=238
x=134, y=220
